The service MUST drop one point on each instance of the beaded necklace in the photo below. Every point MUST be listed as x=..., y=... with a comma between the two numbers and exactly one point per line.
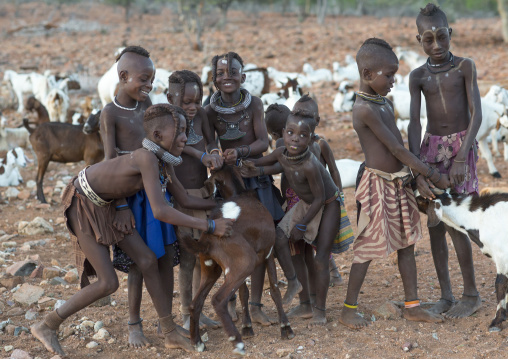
x=451, y=61
x=377, y=99
x=125, y=108
x=297, y=157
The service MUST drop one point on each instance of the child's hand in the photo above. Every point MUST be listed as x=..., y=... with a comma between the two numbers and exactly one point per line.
x=213, y=161
x=124, y=221
x=296, y=234
x=223, y=226
x=457, y=174
x=424, y=187
x=444, y=182
x=230, y=156
x=248, y=169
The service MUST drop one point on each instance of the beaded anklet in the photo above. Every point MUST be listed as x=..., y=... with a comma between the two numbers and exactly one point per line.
x=136, y=323
x=412, y=304
x=256, y=304
x=354, y=306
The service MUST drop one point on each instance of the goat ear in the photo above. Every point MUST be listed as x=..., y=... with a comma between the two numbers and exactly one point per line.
x=432, y=218
x=498, y=124
x=210, y=185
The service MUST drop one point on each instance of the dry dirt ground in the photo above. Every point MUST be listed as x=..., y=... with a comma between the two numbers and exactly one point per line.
x=84, y=41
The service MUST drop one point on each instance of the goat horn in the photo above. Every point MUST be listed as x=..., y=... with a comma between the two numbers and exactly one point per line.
x=437, y=191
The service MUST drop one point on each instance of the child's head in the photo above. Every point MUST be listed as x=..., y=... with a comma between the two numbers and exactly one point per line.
x=185, y=90
x=299, y=131
x=167, y=126
x=227, y=72
x=308, y=104
x=433, y=32
x=377, y=64
x=135, y=72
x=275, y=117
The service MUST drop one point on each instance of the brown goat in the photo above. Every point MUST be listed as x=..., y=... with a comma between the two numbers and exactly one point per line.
x=32, y=104
x=63, y=142
x=250, y=245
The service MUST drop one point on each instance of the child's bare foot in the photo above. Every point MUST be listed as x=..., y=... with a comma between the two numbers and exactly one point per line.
x=466, y=306
x=336, y=279
x=294, y=287
x=48, y=337
x=258, y=316
x=443, y=305
x=174, y=340
x=183, y=332
x=232, y=310
x=136, y=337
x=204, y=322
x=318, y=318
x=351, y=319
x=304, y=310
x=418, y=314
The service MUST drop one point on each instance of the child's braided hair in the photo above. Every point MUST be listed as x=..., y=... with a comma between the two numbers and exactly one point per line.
x=307, y=116
x=276, y=116
x=431, y=11
x=229, y=56
x=183, y=77
x=135, y=49
x=158, y=111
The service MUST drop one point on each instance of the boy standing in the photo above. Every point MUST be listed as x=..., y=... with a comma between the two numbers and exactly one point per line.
x=388, y=216
x=89, y=208
x=454, y=115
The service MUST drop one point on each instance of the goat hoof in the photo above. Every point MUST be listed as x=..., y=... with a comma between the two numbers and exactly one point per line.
x=200, y=347
x=494, y=329
x=247, y=332
x=286, y=332
x=239, y=349
x=496, y=175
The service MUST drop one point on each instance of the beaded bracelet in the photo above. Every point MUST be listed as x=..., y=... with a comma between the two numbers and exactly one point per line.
x=122, y=207
x=203, y=155
x=211, y=226
x=354, y=306
x=301, y=227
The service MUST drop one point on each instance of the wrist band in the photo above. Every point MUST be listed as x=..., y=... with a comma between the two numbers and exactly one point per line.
x=239, y=151
x=459, y=161
x=261, y=171
x=211, y=226
x=430, y=172
x=412, y=304
x=301, y=227
x=415, y=177
x=122, y=207
x=219, y=152
x=354, y=306
x=203, y=155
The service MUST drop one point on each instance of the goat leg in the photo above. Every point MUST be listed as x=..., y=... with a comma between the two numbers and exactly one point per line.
x=501, y=294
x=247, y=331
x=285, y=328
x=209, y=275
x=41, y=170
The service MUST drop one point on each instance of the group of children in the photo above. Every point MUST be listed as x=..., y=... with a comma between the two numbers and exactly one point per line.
x=158, y=157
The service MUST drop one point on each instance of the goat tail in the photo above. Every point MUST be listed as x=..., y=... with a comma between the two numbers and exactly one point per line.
x=26, y=123
x=193, y=246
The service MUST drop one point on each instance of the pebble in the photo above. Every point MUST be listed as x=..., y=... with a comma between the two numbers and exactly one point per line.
x=101, y=334
x=8, y=348
x=92, y=345
x=407, y=346
x=98, y=325
x=20, y=354
x=31, y=315
x=14, y=312
x=59, y=303
x=283, y=352
x=112, y=341
x=87, y=324
x=434, y=335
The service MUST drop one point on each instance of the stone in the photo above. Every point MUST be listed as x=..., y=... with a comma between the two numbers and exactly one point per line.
x=57, y=281
x=43, y=206
x=9, y=329
x=31, y=315
x=50, y=272
x=72, y=276
x=25, y=248
x=15, y=312
x=19, y=330
x=24, y=194
x=8, y=348
x=60, y=220
x=55, y=263
x=102, y=302
x=101, y=334
x=4, y=324
x=388, y=310
x=87, y=324
x=38, y=226
x=11, y=192
x=28, y=294
x=59, y=303
x=6, y=237
x=67, y=332
x=98, y=325
x=92, y=345
x=20, y=354
x=31, y=184
x=9, y=244
x=22, y=268
x=283, y=352
x=37, y=272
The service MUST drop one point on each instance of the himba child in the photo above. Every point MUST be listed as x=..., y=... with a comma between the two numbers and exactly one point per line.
x=186, y=91
x=315, y=217
x=122, y=132
x=454, y=115
x=388, y=215
x=89, y=209
x=237, y=119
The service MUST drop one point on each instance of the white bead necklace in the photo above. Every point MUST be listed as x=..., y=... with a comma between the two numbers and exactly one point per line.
x=125, y=108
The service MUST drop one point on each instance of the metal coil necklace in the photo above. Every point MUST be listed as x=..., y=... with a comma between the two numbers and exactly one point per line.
x=125, y=108
x=161, y=154
x=230, y=110
x=377, y=99
x=451, y=62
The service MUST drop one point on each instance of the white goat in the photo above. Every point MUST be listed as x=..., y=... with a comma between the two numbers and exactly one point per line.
x=482, y=219
x=343, y=101
x=57, y=104
x=316, y=75
x=32, y=83
x=348, y=170
x=410, y=57
x=348, y=72
x=12, y=137
x=9, y=167
x=280, y=78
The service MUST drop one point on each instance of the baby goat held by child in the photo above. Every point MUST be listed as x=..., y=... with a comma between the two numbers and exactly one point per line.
x=483, y=219
x=250, y=245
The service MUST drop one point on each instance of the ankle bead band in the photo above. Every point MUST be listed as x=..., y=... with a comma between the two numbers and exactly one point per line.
x=350, y=306
x=412, y=304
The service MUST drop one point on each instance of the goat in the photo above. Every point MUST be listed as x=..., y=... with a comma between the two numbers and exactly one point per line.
x=32, y=104
x=410, y=57
x=482, y=219
x=12, y=137
x=63, y=142
x=288, y=95
x=316, y=75
x=344, y=99
x=348, y=170
x=9, y=167
x=33, y=83
x=348, y=72
x=257, y=81
x=280, y=77
x=250, y=246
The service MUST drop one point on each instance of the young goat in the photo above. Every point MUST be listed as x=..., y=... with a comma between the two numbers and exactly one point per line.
x=483, y=220
x=250, y=245
x=63, y=142
x=9, y=167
